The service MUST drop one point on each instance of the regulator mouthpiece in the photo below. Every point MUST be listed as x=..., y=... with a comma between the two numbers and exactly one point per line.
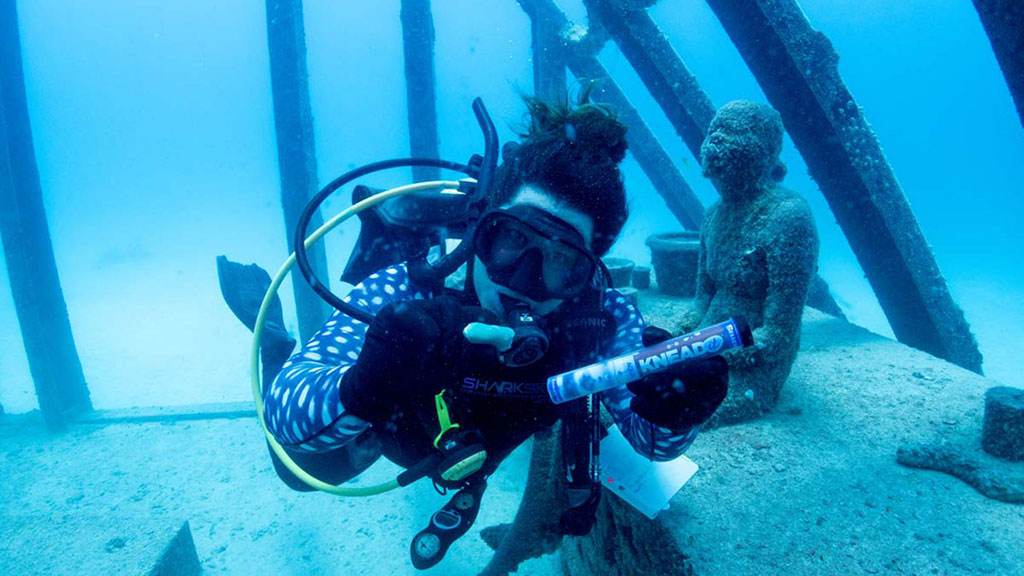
x=529, y=342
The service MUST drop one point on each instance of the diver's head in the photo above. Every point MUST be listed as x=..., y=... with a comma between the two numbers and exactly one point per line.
x=535, y=249
x=561, y=206
x=740, y=154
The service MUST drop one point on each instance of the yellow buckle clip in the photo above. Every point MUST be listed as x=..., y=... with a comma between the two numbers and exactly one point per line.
x=442, y=417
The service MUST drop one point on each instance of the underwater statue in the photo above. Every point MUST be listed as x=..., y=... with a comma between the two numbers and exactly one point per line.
x=758, y=254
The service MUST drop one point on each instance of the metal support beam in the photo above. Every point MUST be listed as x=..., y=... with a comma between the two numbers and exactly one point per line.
x=296, y=147
x=643, y=144
x=418, y=45
x=662, y=70
x=796, y=67
x=35, y=284
x=676, y=90
x=549, y=82
x=1004, y=23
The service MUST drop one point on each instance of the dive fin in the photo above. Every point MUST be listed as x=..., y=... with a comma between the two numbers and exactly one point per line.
x=378, y=245
x=244, y=287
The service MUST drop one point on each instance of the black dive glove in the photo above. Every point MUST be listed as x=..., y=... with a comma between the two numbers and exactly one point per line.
x=409, y=353
x=683, y=396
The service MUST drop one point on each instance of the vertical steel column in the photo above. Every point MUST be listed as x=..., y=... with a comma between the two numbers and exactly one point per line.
x=420, y=84
x=35, y=284
x=296, y=145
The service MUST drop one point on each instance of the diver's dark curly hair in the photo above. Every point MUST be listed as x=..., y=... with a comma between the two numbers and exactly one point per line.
x=572, y=152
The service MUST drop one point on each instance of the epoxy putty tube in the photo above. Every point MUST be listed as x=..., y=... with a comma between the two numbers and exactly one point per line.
x=619, y=371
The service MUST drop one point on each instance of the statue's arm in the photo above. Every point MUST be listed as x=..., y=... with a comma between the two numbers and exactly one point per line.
x=705, y=285
x=792, y=259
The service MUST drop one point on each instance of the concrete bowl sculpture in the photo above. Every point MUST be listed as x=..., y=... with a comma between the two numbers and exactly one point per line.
x=674, y=259
x=621, y=270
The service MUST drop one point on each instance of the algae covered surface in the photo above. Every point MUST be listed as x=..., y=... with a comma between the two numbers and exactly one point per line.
x=814, y=487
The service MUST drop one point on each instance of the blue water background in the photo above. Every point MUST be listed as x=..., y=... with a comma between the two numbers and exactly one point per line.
x=154, y=135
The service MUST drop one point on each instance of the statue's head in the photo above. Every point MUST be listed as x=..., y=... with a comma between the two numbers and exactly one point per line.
x=741, y=152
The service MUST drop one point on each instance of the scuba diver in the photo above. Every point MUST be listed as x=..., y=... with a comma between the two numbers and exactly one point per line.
x=411, y=383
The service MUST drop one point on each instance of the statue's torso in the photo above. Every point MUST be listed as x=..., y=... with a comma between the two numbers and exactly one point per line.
x=737, y=242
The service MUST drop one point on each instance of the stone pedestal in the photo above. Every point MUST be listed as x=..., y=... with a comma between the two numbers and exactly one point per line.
x=621, y=271
x=642, y=277
x=1002, y=433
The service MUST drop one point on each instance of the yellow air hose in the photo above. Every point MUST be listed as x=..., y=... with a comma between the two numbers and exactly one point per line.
x=261, y=320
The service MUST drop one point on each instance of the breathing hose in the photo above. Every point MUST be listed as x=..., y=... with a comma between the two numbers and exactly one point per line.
x=257, y=338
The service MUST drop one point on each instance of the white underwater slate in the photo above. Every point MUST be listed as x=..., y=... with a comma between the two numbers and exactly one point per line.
x=645, y=485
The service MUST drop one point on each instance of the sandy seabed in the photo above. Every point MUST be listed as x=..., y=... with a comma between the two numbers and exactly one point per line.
x=217, y=475
x=813, y=488
x=808, y=488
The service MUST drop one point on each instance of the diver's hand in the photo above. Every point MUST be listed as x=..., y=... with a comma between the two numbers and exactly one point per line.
x=683, y=396
x=410, y=351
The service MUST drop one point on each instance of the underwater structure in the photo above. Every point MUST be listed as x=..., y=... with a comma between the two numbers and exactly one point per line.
x=796, y=67
x=39, y=300
x=836, y=142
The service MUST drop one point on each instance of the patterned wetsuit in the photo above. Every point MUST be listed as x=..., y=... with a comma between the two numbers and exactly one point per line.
x=303, y=410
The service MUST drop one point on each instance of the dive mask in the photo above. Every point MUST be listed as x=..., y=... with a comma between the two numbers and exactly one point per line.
x=534, y=253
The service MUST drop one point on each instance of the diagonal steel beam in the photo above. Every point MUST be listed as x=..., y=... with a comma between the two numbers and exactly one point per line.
x=549, y=82
x=796, y=67
x=643, y=144
x=1004, y=23
x=667, y=78
x=677, y=92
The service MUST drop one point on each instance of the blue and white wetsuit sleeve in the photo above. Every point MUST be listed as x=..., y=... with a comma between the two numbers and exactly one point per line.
x=654, y=442
x=302, y=408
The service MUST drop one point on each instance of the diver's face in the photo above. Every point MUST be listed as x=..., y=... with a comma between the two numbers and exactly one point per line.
x=488, y=292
